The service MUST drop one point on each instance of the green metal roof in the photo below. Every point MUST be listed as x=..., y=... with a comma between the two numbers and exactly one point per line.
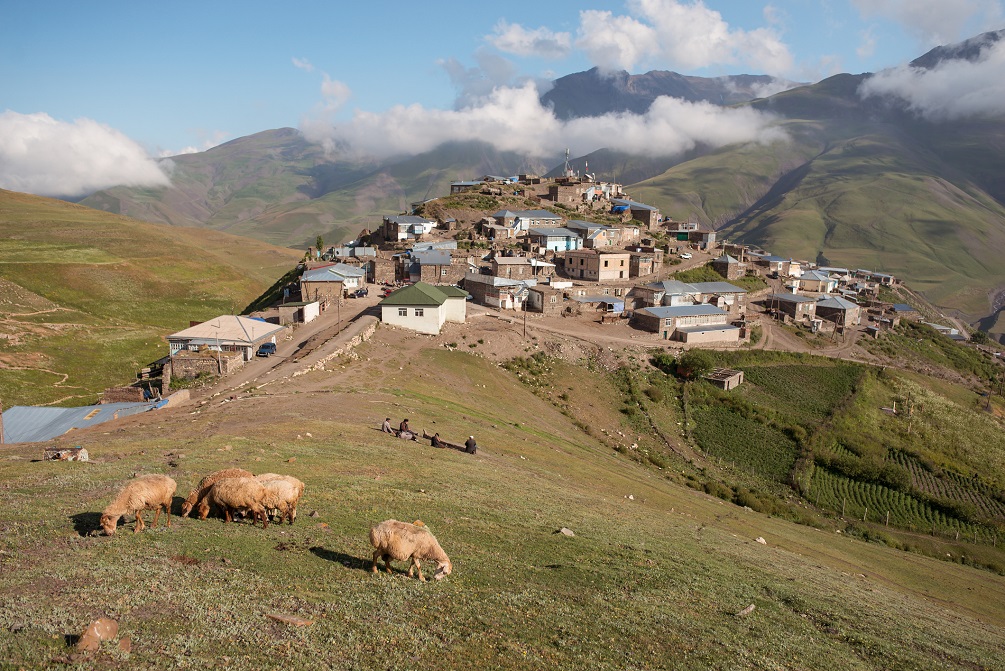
x=421, y=293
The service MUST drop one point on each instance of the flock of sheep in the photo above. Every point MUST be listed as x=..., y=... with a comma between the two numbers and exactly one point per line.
x=235, y=490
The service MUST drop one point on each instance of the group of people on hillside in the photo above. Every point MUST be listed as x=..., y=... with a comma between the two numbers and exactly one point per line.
x=405, y=432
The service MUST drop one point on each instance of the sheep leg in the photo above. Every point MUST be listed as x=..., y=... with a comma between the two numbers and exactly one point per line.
x=387, y=563
x=226, y=515
x=139, y=522
x=157, y=515
x=418, y=569
x=167, y=514
x=376, y=558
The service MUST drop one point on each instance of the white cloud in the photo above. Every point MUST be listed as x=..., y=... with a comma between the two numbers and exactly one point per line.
x=954, y=89
x=669, y=33
x=47, y=157
x=936, y=21
x=303, y=64
x=514, y=39
x=491, y=72
x=334, y=93
x=614, y=42
x=867, y=47
x=513, y=119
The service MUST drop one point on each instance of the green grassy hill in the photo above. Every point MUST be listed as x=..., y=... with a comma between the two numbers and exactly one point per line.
x=88, y=296
x=657, y=576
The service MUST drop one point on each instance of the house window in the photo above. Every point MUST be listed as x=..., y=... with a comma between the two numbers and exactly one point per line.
x=554, y=299
x=605, y=263
x=419, y=312
x=443, y=273
x=607, y=291
x=402, y=312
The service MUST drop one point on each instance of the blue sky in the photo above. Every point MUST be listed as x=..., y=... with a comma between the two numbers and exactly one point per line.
x=138, y=79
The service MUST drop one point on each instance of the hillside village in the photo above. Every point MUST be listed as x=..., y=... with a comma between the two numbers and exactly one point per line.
x=568, y=248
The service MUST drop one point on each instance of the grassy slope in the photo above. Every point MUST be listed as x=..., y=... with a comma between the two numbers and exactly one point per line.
x=90, y=295
x=648, y=582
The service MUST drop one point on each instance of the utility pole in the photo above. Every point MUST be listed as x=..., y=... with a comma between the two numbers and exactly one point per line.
x=219, y=363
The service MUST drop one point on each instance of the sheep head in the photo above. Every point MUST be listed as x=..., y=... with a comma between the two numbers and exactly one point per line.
x=186, y=508
x=443, y=569
x=108, y=523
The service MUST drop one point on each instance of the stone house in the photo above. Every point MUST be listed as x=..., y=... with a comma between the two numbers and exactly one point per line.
x=728, y=267
x=799, y=308
x=544, y=299
x=520, y=267
x=647, y=215
x=840, y=311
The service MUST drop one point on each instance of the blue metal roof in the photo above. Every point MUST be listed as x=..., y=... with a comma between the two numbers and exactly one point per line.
x=32, y=424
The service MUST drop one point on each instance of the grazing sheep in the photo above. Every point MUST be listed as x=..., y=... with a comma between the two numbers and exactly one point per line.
x=233, y=495
x=400, y=541
x=199, y=492
x=283, y=493
x=147, y=492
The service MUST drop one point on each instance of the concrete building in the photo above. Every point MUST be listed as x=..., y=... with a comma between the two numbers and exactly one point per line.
x=424, y=308
x=597, y=266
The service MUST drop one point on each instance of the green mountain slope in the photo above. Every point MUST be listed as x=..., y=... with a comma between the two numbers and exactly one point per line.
x=277, y=187
x=88, y=296
x=860, y=186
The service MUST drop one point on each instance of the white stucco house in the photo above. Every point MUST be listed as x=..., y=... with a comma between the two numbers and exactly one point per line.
x=424, y=307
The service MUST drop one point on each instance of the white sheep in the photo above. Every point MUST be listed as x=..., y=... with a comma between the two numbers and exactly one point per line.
x=147, y=492
x=233, y=495
x=282, y=494
x=400, y=541
x=200, y=490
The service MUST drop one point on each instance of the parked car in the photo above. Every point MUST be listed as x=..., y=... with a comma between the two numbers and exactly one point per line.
x=685, y=255
x=267, y=349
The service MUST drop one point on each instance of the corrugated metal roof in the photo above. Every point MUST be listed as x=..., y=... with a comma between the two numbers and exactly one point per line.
x=31, y=424
x=718, y=288
x=837, y=302
x=432, y=257
x=684, y=311
x=229, y=329
x=550, y=232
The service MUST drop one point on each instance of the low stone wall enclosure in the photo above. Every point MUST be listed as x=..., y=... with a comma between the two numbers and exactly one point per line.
x=352, y=336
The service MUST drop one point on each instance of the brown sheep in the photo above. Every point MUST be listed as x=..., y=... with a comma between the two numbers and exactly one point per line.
x=199, y=492
x=147, y=492
x=400, y=541
x=283, y=493
x=233, y=495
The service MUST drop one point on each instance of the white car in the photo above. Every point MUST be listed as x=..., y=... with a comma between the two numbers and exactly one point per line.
x=685, y=255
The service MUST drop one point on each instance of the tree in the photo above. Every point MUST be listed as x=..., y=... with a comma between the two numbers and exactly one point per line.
x=694, y=363
x=320, y=242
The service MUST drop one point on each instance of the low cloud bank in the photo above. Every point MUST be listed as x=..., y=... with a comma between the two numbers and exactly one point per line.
x=513, y=119
x=953, y=90
x=47, y=157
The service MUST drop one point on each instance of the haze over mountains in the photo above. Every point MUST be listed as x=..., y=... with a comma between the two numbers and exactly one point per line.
x=893, y=172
